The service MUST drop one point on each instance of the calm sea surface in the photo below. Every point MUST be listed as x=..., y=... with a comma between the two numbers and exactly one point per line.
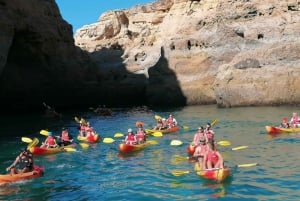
x=101, y=173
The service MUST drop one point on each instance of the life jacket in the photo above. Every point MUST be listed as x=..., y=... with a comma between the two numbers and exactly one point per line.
x=140, y=135
x=295, y=120
x=198, y=137
x=50, y=140
x=209, y=135
x=25, y=162
x=65, y=136
x=130, y=138
x=212, y=156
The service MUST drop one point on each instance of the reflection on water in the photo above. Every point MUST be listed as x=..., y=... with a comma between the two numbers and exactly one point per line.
x=102, y=172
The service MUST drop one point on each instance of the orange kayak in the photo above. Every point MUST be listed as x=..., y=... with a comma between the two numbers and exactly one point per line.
x=91, y=138
x=8, y=178
x=36, y=150
x=127, y=148
x=275, y=129
x=217, y=174
x=168, y=130
x=191, y=149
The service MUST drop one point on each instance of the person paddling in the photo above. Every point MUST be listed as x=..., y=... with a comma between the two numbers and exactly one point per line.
x=295, y=120
x=50, y=142
x=212, y=158
x=22, y=164
x=140, y=135
x=65, y=138
x=130, y=138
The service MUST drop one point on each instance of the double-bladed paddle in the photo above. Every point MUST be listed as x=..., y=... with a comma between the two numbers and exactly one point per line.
x=182, y=172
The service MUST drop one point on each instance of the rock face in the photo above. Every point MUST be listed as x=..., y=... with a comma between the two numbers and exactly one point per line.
x=38, y=59
x=232, y=53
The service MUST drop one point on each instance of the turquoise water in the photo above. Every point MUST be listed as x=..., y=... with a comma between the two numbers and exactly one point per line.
x=101, y=173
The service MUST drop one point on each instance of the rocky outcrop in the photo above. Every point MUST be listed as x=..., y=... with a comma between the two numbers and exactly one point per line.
x=38, y=59
x=232, y=53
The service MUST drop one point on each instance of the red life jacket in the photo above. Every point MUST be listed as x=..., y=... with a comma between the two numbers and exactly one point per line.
x=140, y=135
x=65, y=136
x=50, y=140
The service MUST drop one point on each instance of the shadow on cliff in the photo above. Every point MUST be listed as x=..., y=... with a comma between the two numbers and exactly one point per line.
x=123, y=88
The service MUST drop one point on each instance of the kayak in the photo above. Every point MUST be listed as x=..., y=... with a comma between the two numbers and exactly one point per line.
x=36, y=150
x=217, y=174
x=10, y=178
x=191, y=149
x=127, y=148
x=168, y=130
x=275, y=129
x=91, y=138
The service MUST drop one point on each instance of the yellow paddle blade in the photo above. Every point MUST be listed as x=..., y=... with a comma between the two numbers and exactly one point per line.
x=44, y=132
x=84, y=145
x=247, y=165
x=157, y=117
x=119, y=135
x=69, y=149
x=152, y=142
x=77, y=119
x=214, y=122
x=83, y=121
x=224, y=143
x=26, y=139
x=176, y=143
x=238, y=148
x=157, y=134
x=177, y=158
x=34, y=142
x=179, y=172
x=185, y=127
x=108, y=140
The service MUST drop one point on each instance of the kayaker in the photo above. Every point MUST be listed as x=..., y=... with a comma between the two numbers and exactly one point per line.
x=200, y=150
x=284, y=123
x=50, y=142
x=22, y=164
x=295, y=120
x=209, y=133
x=140, y=134
x=212, y=158
x=82, y=129
x=159, y=125
x=171, y=121
x=89, y=130
x=198, y=136
x=130, y=138
x=65, y=138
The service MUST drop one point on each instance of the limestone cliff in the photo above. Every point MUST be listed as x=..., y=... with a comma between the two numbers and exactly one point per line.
x=38, y=59
x=233, y=53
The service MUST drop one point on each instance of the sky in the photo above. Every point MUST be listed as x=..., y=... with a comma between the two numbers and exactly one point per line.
x=82, y=12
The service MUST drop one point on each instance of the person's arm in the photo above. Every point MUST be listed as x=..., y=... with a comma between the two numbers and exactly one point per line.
x=13, y=164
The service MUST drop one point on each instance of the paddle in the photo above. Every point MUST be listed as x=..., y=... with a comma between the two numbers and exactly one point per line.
x=221, y=143
x=178, y=158
x=118, y=135
x=26, y=139
x=182, y=172
x=46, y=133
x=31, y=143
x=108, y=140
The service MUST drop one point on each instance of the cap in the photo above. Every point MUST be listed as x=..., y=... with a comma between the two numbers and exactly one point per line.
x=129, y=130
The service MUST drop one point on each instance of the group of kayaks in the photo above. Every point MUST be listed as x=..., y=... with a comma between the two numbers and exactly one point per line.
x=33, y=147
x=217, y=174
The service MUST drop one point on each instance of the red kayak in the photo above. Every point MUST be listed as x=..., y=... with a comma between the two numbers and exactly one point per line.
x=8, y=178
x=217, y=174
x=127, y=148
x=276, y=130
